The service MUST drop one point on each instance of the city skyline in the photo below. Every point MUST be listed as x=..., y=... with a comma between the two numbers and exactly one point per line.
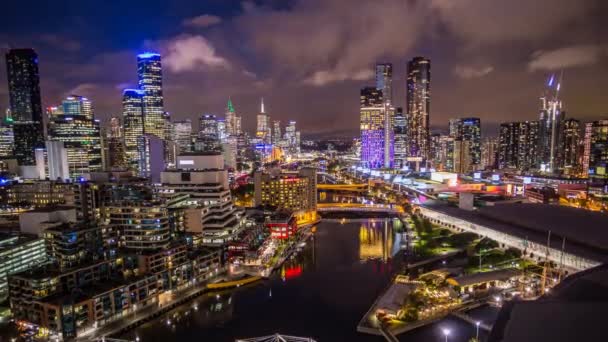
x=505, y=79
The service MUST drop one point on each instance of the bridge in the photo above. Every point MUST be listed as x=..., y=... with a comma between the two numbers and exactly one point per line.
x=350, y=207
x=343, y=187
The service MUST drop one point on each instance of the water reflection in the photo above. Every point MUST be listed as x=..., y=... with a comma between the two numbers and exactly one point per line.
x=378, y=240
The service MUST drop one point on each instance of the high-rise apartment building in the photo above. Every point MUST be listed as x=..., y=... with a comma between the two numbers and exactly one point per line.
x=518, y=145
x=418, y=91
x=150, y=76
x=489, y=154
x=182, y=135
x=596, y=142
x=468, y=129
x=400, y=139
x=133, y=121
x=25, y=103
x=372, y=123
x=462, y=156
x=571, y=140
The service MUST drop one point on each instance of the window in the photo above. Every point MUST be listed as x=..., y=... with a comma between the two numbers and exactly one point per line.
x=185, y=176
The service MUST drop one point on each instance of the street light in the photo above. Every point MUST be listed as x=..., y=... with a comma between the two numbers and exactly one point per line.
x=477, y=332
x=446, y=333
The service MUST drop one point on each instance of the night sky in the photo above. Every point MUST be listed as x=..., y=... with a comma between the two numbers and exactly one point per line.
x=309, y=58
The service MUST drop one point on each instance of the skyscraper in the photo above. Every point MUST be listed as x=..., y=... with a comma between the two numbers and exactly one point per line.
x=571, y=140
x=276, y=132
x=149, y=71
x=133, y=121
x=418, y=91
x=551, y=124
x=596, y=144
x=116, y=158
x=25, y=103
x=231, y=124
x=489, y=153
x=80, y=135
x=7, y=138
x=182, y=135
x=400, y=138
x=263, y=132
x=518, y=145
x=468, y=129
x=372, y=123
x=384, y=81
x=462, y=156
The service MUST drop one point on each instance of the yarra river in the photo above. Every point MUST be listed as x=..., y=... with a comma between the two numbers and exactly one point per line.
x=321, y=293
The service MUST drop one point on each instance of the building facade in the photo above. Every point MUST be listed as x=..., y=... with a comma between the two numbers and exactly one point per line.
x=25, y=103
x=150, y=79
x=418, y=98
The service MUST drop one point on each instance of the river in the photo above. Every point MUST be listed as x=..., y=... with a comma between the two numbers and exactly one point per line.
x=321, y=293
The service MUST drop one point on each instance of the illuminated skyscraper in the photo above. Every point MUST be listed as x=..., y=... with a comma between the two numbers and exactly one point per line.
x=80, y=135
x=231, y=119
x=208, y=127
x=384, y=82
x=133, y=121
x=418, y=91
x=25, y=103
x=468, y=129
x=149, y=71
x=597, y=145
x=518, y=145
x=571, y=140
x=489, y=153
x=77, y=105
x=116, y=158
x=551, y=124
x=208, y=135
x=263, y=132
x=276, y=132
x=292, y=138
x=7, y=138
x=372, y=123
x=182, y=135
x=462, y=156
x=400, y=136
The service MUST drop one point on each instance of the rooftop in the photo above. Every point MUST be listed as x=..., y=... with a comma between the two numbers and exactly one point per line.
x=532, y=222
x=573, y=311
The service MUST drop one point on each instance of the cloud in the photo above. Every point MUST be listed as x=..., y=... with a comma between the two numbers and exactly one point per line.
x=202, y=21
x=58, y=41
x=191, y=52
x=566, y=57
x=313, y=47
x=84, y=89
x=491, y=21
x=467, y=71
x=321, y=78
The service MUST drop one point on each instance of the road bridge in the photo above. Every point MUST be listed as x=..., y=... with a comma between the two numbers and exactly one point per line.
x=354, y=207
x=343, y=187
